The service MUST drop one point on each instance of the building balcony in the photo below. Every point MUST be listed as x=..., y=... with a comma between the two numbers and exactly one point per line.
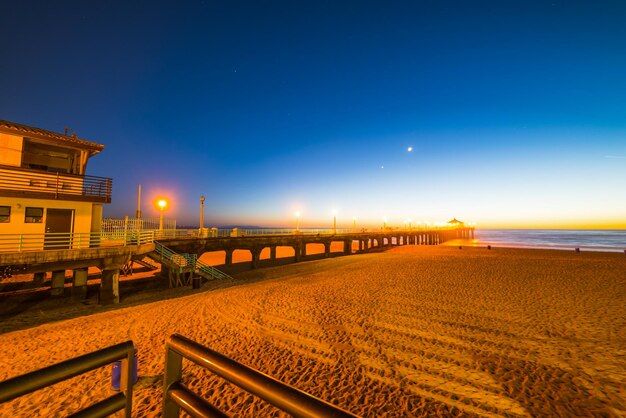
x=24, y=182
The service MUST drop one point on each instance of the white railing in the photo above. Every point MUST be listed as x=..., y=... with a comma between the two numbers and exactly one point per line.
x=80, y=240
x=73, y=241
x=133, y=224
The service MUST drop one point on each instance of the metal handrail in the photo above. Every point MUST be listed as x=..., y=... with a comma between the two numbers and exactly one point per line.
x=215, y=273
x=38, y=379
x=281, y=395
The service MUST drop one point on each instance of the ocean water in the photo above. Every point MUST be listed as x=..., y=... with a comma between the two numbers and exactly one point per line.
x=589, y=239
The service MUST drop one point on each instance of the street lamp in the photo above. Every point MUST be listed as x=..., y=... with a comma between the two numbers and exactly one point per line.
x=354, y=224
x=201, y=216
x=297, y=221
x=384, y=223
x=410, y=221
x=335, y=221
x=162, y=203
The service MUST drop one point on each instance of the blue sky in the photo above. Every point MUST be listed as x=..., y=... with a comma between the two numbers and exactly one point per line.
x=515, y=110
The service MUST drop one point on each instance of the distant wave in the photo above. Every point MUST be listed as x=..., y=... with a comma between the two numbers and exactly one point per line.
x=590, y=239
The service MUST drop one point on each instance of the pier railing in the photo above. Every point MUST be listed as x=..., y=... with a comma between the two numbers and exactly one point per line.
x=122, y=237
x=281, y=395
x=30, y=382
x=72, y=240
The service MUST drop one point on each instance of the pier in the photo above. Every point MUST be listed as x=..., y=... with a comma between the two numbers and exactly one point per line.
x=111, y=254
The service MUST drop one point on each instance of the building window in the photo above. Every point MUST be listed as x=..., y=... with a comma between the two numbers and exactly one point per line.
x=34, y=215
x=5, y=214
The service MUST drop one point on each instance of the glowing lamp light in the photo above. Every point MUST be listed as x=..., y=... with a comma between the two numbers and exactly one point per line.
x=162, y=203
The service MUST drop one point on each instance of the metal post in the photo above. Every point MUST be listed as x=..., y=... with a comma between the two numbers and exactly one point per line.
x=125, y=230
x=297, y=222
x=139, y=203
x=201, y=216
x=127, y=367
x=173, y=373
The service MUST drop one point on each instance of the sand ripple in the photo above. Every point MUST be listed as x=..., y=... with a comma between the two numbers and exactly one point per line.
x=415, y=331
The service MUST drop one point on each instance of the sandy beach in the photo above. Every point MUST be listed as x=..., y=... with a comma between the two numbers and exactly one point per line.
x=412, y=331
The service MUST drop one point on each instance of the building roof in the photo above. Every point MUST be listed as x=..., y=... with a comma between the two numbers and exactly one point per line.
x=455, y=221
x=60, y=139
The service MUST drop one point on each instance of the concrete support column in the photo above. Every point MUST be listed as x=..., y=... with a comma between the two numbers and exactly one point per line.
x=297, y=252
x=256, y=256
x=228, y=259
x=110, y=287
x=347, y=247
x=58, y=282
x=79, y=284
x=273, y=253
x=327, y=249
x=303, y=249
x=39, y=278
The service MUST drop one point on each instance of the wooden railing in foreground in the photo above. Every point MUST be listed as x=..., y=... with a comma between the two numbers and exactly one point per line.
x=285, y=397
x=30, y=382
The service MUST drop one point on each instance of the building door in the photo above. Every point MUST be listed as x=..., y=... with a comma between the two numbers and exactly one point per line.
x=58, y=229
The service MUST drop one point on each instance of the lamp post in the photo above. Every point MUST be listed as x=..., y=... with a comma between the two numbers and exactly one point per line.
x=410, y=224
x=161, y=204
x=334, y=221
x=384, y=223
x=354, y=224
x=201, y=216
x=297, y=221
x=139, y=202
